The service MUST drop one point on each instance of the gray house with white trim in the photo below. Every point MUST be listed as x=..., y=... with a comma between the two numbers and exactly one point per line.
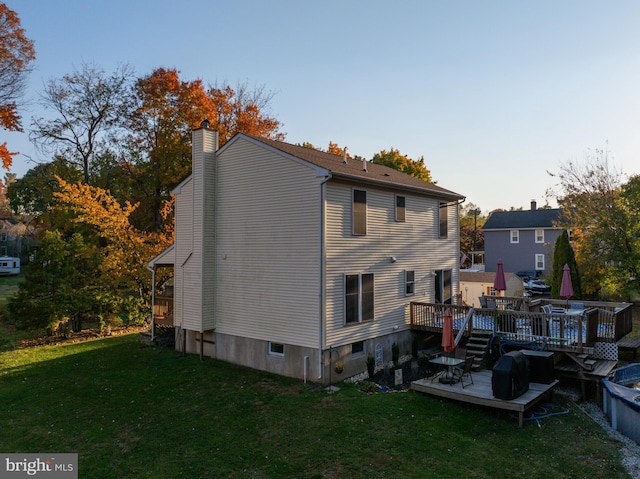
x=523, y=240
x=289, y=259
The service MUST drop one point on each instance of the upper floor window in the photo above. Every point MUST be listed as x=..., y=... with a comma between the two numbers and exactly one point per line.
x=443, y=214
x=400, y=209
x=515, y=236
x=358, y=298
x=539, y=262
x=539, y=236
x=409, y=283
x=359, y=212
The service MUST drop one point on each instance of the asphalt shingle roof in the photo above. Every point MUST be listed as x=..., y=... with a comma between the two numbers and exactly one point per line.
x=353, y=169
x=542, y=218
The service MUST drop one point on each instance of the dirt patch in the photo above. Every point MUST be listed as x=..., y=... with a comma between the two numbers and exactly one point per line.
x=84, y=335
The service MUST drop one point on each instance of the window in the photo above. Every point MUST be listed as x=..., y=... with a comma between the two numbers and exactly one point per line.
x=359, y=212
x=357, y=348
x=515, y=236
x=539, y=262
x=3, y=236
x=358, y=298
x=443, y=286
x=409, y=283
x=443, y=212
x=539, y=236
x=276, y=349
x=400, y=210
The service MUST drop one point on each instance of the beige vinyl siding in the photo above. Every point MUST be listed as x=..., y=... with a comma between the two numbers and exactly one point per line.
x=413, y=243
x=183, y=245
x=268, y=250
x=208, y=232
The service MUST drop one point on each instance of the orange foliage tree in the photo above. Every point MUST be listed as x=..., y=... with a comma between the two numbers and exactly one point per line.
x=125, y=249
x=16, y=54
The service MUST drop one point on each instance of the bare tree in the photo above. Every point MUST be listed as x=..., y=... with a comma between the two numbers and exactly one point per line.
x=88, y=107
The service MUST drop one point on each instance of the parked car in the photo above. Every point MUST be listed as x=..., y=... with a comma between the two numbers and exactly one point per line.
x=535, y=286
x=527, y=275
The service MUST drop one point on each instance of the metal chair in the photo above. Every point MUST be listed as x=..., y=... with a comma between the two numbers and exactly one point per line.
x=460, y=373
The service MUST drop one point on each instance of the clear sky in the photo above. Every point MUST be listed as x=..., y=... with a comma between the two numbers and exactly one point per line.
x=492, y=93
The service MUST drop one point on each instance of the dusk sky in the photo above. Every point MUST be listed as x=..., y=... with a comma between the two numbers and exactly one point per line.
x=493, y=94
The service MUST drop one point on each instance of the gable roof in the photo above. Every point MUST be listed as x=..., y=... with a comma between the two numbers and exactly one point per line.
x=483, y=276
x=353, y=169
x=542, y=218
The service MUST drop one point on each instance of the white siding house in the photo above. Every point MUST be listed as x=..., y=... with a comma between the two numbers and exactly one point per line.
x=288, y=259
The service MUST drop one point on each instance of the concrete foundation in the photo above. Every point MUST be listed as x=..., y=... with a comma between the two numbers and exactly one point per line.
x=297, y=361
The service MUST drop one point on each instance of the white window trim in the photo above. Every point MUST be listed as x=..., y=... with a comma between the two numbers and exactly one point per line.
x=443, y=205
x=360, y=294
x=517, y=236
x=407, y=282
x=539, y=257
x=541, y=240
x=276, y=353
x=404, y=208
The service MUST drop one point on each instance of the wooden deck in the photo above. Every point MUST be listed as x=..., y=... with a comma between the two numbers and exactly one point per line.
x=481, y=393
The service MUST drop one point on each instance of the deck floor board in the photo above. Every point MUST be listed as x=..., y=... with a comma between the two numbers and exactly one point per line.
x=481, y=393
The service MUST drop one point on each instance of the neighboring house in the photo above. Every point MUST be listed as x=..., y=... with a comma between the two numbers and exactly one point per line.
x=474, y=284
x=12, y=233
x=288, y=259
x=523, y=240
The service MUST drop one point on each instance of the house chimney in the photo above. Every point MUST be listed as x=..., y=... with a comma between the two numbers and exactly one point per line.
x=533, y=205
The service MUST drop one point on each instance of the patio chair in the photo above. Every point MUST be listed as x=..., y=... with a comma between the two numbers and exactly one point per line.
x=491, y=303
x=464, y=372
x=461, y=353
x=518, y=304
x=483, y=301
x=547, y=308
x=577, y=306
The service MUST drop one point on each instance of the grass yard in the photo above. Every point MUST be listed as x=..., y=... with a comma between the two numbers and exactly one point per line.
x=133, y=411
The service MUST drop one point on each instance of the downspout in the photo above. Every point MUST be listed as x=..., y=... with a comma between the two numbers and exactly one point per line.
x=323, y=254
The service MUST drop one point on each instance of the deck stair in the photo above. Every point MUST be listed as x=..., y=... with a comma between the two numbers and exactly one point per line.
x=478, y=346
x=583, y=360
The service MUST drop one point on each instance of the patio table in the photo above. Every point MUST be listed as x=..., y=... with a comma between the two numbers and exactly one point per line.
x=449, y=364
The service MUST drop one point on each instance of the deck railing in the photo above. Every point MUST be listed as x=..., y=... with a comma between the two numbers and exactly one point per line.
x=606, y=322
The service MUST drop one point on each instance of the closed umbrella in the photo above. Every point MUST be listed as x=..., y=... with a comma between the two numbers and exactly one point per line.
x=448, y=341
x=499, y=284
x=566, y=288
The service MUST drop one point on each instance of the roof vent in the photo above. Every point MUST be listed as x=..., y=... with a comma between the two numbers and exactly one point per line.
x=345, y=155
x=533, y=205
x=364, y=164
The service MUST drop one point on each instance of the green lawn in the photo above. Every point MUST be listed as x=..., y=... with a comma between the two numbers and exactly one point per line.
x=133, y=411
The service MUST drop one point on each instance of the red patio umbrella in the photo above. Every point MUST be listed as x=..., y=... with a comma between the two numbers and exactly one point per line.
x=566, y=288
x=448, y=341
x=499, y=284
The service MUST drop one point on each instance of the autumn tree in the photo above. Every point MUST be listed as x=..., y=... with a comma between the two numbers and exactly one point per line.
x=16, y=55
x=88, y=108
x=32, y=197
x=125, y=248
x=167, y=108
x=243, y=109
x=395, y=160
x=602, y=211
x=471, y=234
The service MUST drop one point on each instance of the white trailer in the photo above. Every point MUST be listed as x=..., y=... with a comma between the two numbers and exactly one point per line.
x=9, y=266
